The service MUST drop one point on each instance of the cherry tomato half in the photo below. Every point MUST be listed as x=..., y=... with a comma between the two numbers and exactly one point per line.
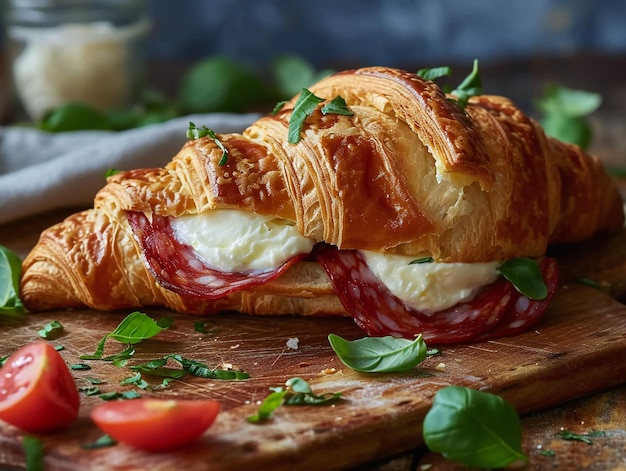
x=37, y=391
x=155, y=424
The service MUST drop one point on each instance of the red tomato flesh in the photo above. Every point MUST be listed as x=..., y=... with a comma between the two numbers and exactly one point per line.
x=37, y=391
x=155, y=424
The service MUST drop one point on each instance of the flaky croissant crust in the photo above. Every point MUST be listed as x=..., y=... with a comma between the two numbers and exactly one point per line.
x=409, y=172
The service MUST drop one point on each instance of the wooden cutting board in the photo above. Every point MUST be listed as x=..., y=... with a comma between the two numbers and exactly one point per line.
x=576, y=350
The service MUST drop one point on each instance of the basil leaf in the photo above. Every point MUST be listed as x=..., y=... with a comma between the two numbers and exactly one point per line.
x=474, y=428
x=33, y=452
x=10, y=271
x=570, y=129
x=564, y=111
x=134, y=328
x=379, y=354
x=194, y=132
x=219, y=84
x=526, y=276
x=337, y=106
x=305, y=105
x=434, y=73
x=51, y=330
x=74, y=116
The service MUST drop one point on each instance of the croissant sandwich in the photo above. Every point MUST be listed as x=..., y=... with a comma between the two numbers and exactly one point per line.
x=371, y=194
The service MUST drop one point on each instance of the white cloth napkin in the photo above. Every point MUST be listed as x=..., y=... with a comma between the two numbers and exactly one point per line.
x=41, y=171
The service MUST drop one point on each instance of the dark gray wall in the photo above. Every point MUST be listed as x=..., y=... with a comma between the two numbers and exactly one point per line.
x=334, y=33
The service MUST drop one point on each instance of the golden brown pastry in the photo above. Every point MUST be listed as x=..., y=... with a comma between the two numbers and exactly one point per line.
x=408, y=173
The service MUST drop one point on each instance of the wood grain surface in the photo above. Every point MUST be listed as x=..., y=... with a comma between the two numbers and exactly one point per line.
x=577, y=350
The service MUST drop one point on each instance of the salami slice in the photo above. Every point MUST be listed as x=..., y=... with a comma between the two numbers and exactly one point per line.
x=379, y=312
x=524, y=313
x=177, y=267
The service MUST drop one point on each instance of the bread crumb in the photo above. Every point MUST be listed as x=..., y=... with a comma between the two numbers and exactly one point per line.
x=440, y=367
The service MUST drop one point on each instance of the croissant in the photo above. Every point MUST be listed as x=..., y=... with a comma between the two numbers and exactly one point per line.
x=405, y=175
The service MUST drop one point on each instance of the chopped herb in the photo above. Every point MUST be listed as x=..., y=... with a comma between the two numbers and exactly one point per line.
x=33, y=452
x=196, y=368
x=469, y=87
x=111, y=396
x=474, y=428
x=135, y=380
x=90, y=391
x=59, y=348
x=80, y=367
x=194, y=132
x=547, y=453
x=593, y=284
x=3, y=360
x=51, y=330
x=165, y=322
x=133, y=329
x=102, y=442
x=297, y=392
x=431, y=352
x=91, y=380
x=305, y=105
x=337, y=106
x=110, y=172
x=526, y=276
x=271, y=402
x=422, y=260
x=199, y=327
x=10, y=271
x=581, y=437
x=379, y=354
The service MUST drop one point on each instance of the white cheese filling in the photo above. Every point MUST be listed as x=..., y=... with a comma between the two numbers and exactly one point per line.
x=232, y=240
x=430, y=287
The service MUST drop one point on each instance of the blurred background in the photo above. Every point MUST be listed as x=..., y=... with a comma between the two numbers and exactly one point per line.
x=405, y=33
x=522, y=45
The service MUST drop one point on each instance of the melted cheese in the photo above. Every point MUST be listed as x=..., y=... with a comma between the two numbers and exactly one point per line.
x=232, y=240
x=430, y=287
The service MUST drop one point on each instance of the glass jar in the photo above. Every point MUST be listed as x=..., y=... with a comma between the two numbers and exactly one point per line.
x=88, y=51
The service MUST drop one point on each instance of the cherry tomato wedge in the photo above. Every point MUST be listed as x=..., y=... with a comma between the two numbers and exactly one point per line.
x=37, y=391
x=155, y=424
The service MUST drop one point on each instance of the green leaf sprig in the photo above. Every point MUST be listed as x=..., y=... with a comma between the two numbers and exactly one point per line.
x=526, y=276
x=134, y=328
x=474, y=428
x=564, y=113
x=469, y=87
x=10, y=271
x=379, y=354
x=194, y=132
x=305, y=106
x=297, y=392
